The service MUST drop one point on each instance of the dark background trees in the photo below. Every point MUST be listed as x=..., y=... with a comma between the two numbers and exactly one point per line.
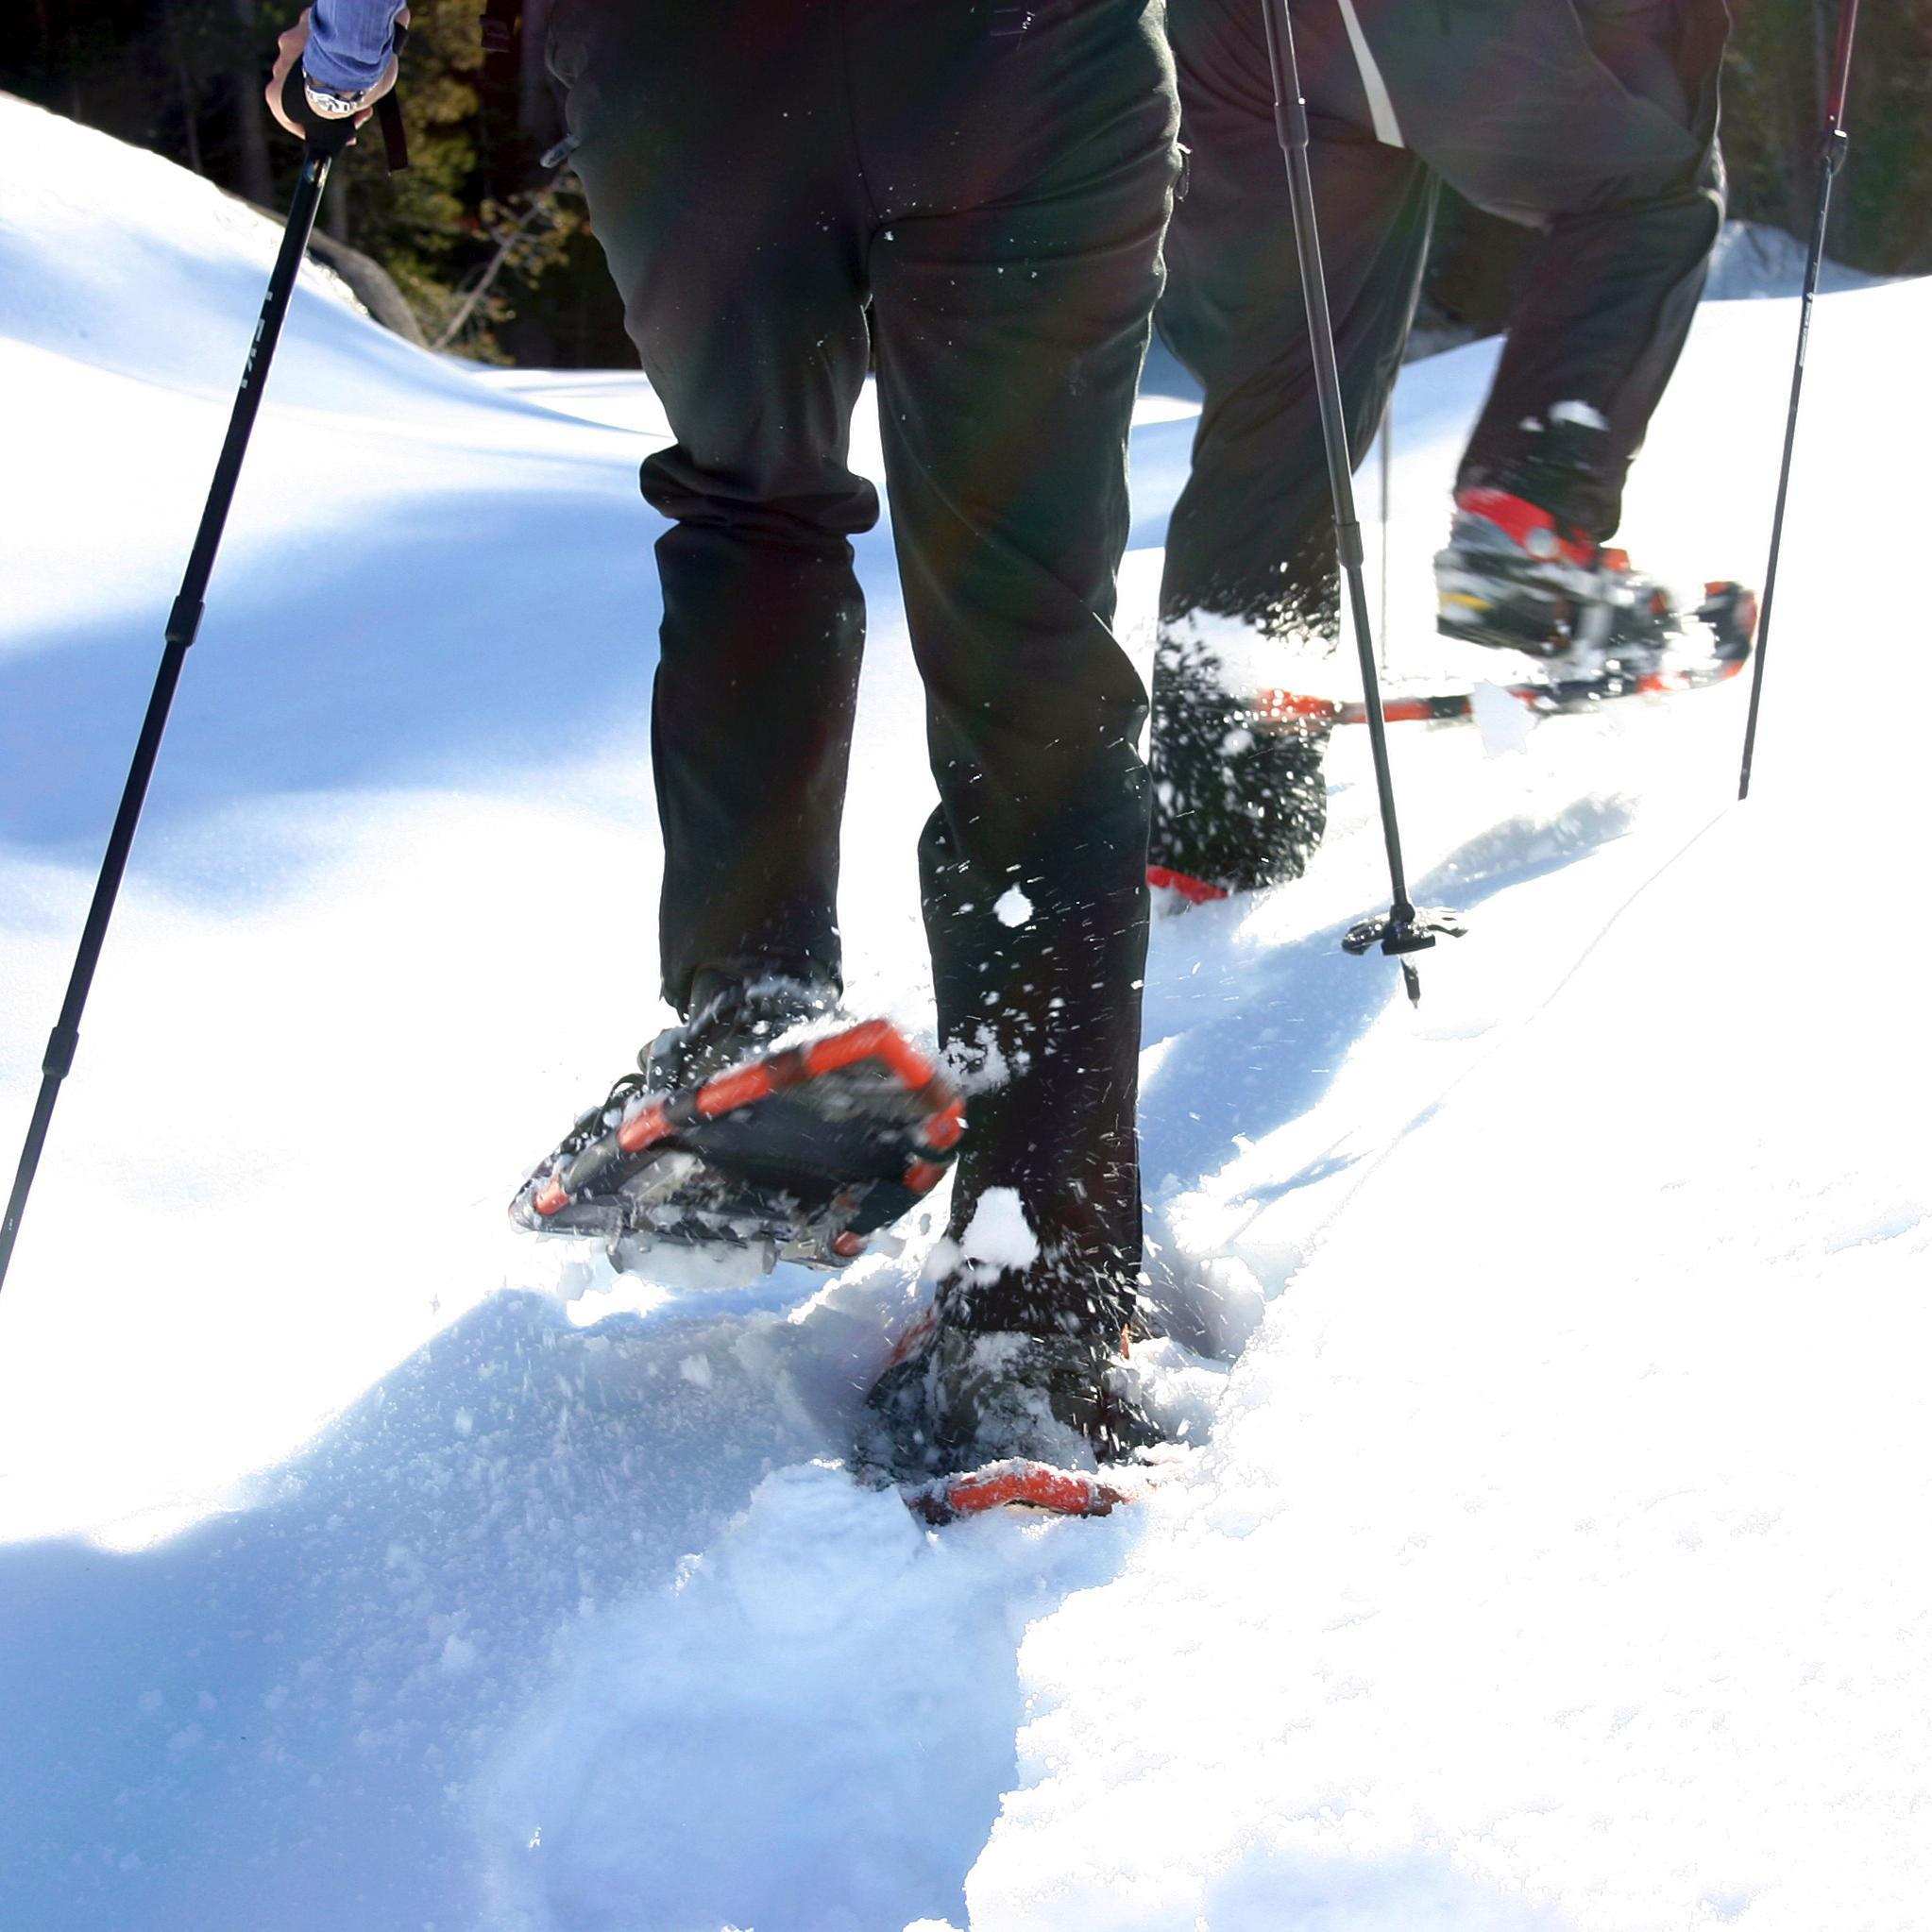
x=494, y=259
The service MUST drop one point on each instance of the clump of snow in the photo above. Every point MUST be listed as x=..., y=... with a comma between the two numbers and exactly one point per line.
x=1242, y=659
x=1583, y=416
x=1501, y=718
x=999, y=1234
x=1012, y=907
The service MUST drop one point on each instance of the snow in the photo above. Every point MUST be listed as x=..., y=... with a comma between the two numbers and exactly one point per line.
x=1550, y=1357
x=1752, y=260
x=998, y=1233
x=1582, y=414
x=1012, y=907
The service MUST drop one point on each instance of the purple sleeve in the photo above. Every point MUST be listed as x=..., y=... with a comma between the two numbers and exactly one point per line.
x=349, y=42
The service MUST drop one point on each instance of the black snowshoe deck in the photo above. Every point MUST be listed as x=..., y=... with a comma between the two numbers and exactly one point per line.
x=803, y=1154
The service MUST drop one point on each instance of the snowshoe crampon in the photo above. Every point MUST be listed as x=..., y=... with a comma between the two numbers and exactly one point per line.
x=797, y=1155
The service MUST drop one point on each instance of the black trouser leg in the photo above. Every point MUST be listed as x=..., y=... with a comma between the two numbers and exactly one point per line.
x=1593, y=121
x=737, y=238
x=997, y=180
x=1607, y=301
x=1010, y=331
x=1613, y=156
x=1252, y=541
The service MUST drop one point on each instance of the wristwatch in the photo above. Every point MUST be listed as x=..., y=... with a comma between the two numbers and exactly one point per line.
x=330, y=105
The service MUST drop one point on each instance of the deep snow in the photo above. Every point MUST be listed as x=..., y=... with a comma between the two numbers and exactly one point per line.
x=1547, y=1560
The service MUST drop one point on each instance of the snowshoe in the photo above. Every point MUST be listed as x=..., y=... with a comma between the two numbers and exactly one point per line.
x=1176, y=891
x=1513, y=578
x=725, y=1141
x=1670, y=651
x=1631, y=641
x=964, y=1422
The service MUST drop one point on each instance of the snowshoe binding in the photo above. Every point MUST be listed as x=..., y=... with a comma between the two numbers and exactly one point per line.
x=964, y=1422
x=1513, y=578
x=726, y=1139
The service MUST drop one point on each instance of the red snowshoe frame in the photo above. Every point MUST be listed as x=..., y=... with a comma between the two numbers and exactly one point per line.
x=1728, y=613
x=1013, y=1485
x=1017, y=1483
x=810, y=1149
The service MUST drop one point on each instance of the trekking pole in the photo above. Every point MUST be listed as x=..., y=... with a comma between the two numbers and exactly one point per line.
x=1385, y=446
x=183, y=621
x=1404, y=930
x=1833, y=142
x=320, y=148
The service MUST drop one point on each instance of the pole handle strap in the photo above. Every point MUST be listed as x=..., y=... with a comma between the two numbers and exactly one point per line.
x=330, y=137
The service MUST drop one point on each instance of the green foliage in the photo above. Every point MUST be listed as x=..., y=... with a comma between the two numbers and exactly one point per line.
x=1776, y=74
x=492, y=278
x=185, y=77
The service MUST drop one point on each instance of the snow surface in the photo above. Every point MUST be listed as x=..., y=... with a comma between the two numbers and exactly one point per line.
x=1753, y=259
x=1554, y=1354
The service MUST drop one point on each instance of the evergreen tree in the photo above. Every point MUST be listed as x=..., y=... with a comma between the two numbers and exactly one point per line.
x=492, y=274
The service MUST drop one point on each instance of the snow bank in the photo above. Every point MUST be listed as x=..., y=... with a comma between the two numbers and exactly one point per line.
x=1550, y=1563
x=827, y=1684
x=1753, y=259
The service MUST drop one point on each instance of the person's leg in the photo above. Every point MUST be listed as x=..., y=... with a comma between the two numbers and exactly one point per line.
x=1014, y=272
x=1250, y=592
x=736, y=240
x=1614, y=156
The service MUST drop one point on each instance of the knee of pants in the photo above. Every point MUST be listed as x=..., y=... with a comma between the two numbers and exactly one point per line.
x=815, y=512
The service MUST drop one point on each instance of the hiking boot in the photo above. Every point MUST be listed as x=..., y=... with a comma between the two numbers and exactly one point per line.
x=954, y=1400
x=1515, y=578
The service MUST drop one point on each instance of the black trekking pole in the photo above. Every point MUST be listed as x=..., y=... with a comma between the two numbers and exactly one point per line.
x=1404, y=930
x=1833, y=142
x=184, y=619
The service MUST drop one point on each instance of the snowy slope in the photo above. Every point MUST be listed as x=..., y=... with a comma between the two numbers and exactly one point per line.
x=1549, y=1559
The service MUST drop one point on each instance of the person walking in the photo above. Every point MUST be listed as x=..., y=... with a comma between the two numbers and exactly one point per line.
x=969, y=197
x=1592, y=123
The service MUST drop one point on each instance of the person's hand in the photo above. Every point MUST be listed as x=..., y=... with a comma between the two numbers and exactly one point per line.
x=288, y=57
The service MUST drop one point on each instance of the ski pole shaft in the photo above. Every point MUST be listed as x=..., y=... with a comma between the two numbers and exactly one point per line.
x=1386, y=444
x=1400, y=934
x=183, y=621
x=1831, y=145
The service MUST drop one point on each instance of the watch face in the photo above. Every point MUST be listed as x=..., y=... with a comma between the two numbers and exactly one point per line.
x=333, y=107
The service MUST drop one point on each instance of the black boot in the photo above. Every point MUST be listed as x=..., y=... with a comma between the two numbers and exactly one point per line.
x=1239, y=798
x=957, y=1402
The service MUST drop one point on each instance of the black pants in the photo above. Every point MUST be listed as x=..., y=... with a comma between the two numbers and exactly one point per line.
x=972, y=195
x=1593, y=121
